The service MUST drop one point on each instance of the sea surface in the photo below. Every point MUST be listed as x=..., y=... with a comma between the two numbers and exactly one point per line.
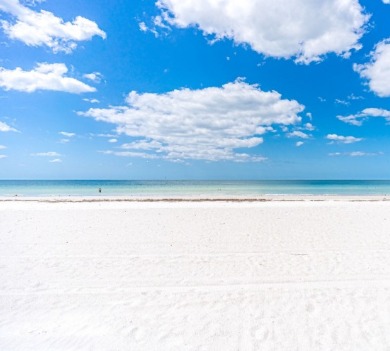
x=192, y=188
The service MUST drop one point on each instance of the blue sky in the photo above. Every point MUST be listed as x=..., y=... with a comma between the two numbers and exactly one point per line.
x=195, y=89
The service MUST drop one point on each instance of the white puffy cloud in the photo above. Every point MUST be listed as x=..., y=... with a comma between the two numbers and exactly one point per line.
x=56, y=160
x=377, y=112
x=95, y=77
x=3, y=156
x=113, y=140
x=43, y=28
x=4, y=127
x=299, y=143
x=2, y=147
x=67, y=134
x=354, y=120
x=304, y=29
x=343, y=139
x=47, y=154
x=45, y=76
x=298, y=134
x=359, y=118
x=386, y=1
x=143, y=27
x=92, y=101
x=377, y=71
x=205, y=124
x=309, y=126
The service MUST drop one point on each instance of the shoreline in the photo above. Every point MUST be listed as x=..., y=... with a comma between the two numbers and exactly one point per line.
x=200, y=198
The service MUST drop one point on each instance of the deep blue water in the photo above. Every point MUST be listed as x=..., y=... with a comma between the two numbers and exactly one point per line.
x=177, y=188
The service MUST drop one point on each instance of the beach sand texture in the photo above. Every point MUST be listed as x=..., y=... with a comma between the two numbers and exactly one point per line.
x=277, y=275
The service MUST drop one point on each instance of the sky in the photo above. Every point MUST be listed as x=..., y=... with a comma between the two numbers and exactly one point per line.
x=195, y=89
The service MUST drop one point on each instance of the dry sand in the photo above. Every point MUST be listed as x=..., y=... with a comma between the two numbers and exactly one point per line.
x=120, y=275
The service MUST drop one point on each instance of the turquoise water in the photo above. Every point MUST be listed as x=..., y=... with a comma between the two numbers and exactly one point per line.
x=191, y=188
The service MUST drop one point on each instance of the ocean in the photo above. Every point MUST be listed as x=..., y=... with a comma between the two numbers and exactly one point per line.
x=191, y=188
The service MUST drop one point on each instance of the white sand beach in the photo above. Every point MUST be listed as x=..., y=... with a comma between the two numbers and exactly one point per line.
x=121, y=275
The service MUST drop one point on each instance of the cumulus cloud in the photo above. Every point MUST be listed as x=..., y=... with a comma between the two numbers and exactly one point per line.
x=143, y=27
x=309, y=126
x=298, y=134
x=67, y=134
x=2, y=147
x=205, y=124
x=3, y=156
x=95, y=77
x=354, y=120
x=359, y=118
x=377, y=71
x=113, y=140
x=377, y=112
x=45, y=76
x=56, y=160
x=386, y=1
x=43, y=28
x=47, y=154
x=4, y=127
x=303, y=29
x=92, y=101
x=299, y=143
x=342, y=139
